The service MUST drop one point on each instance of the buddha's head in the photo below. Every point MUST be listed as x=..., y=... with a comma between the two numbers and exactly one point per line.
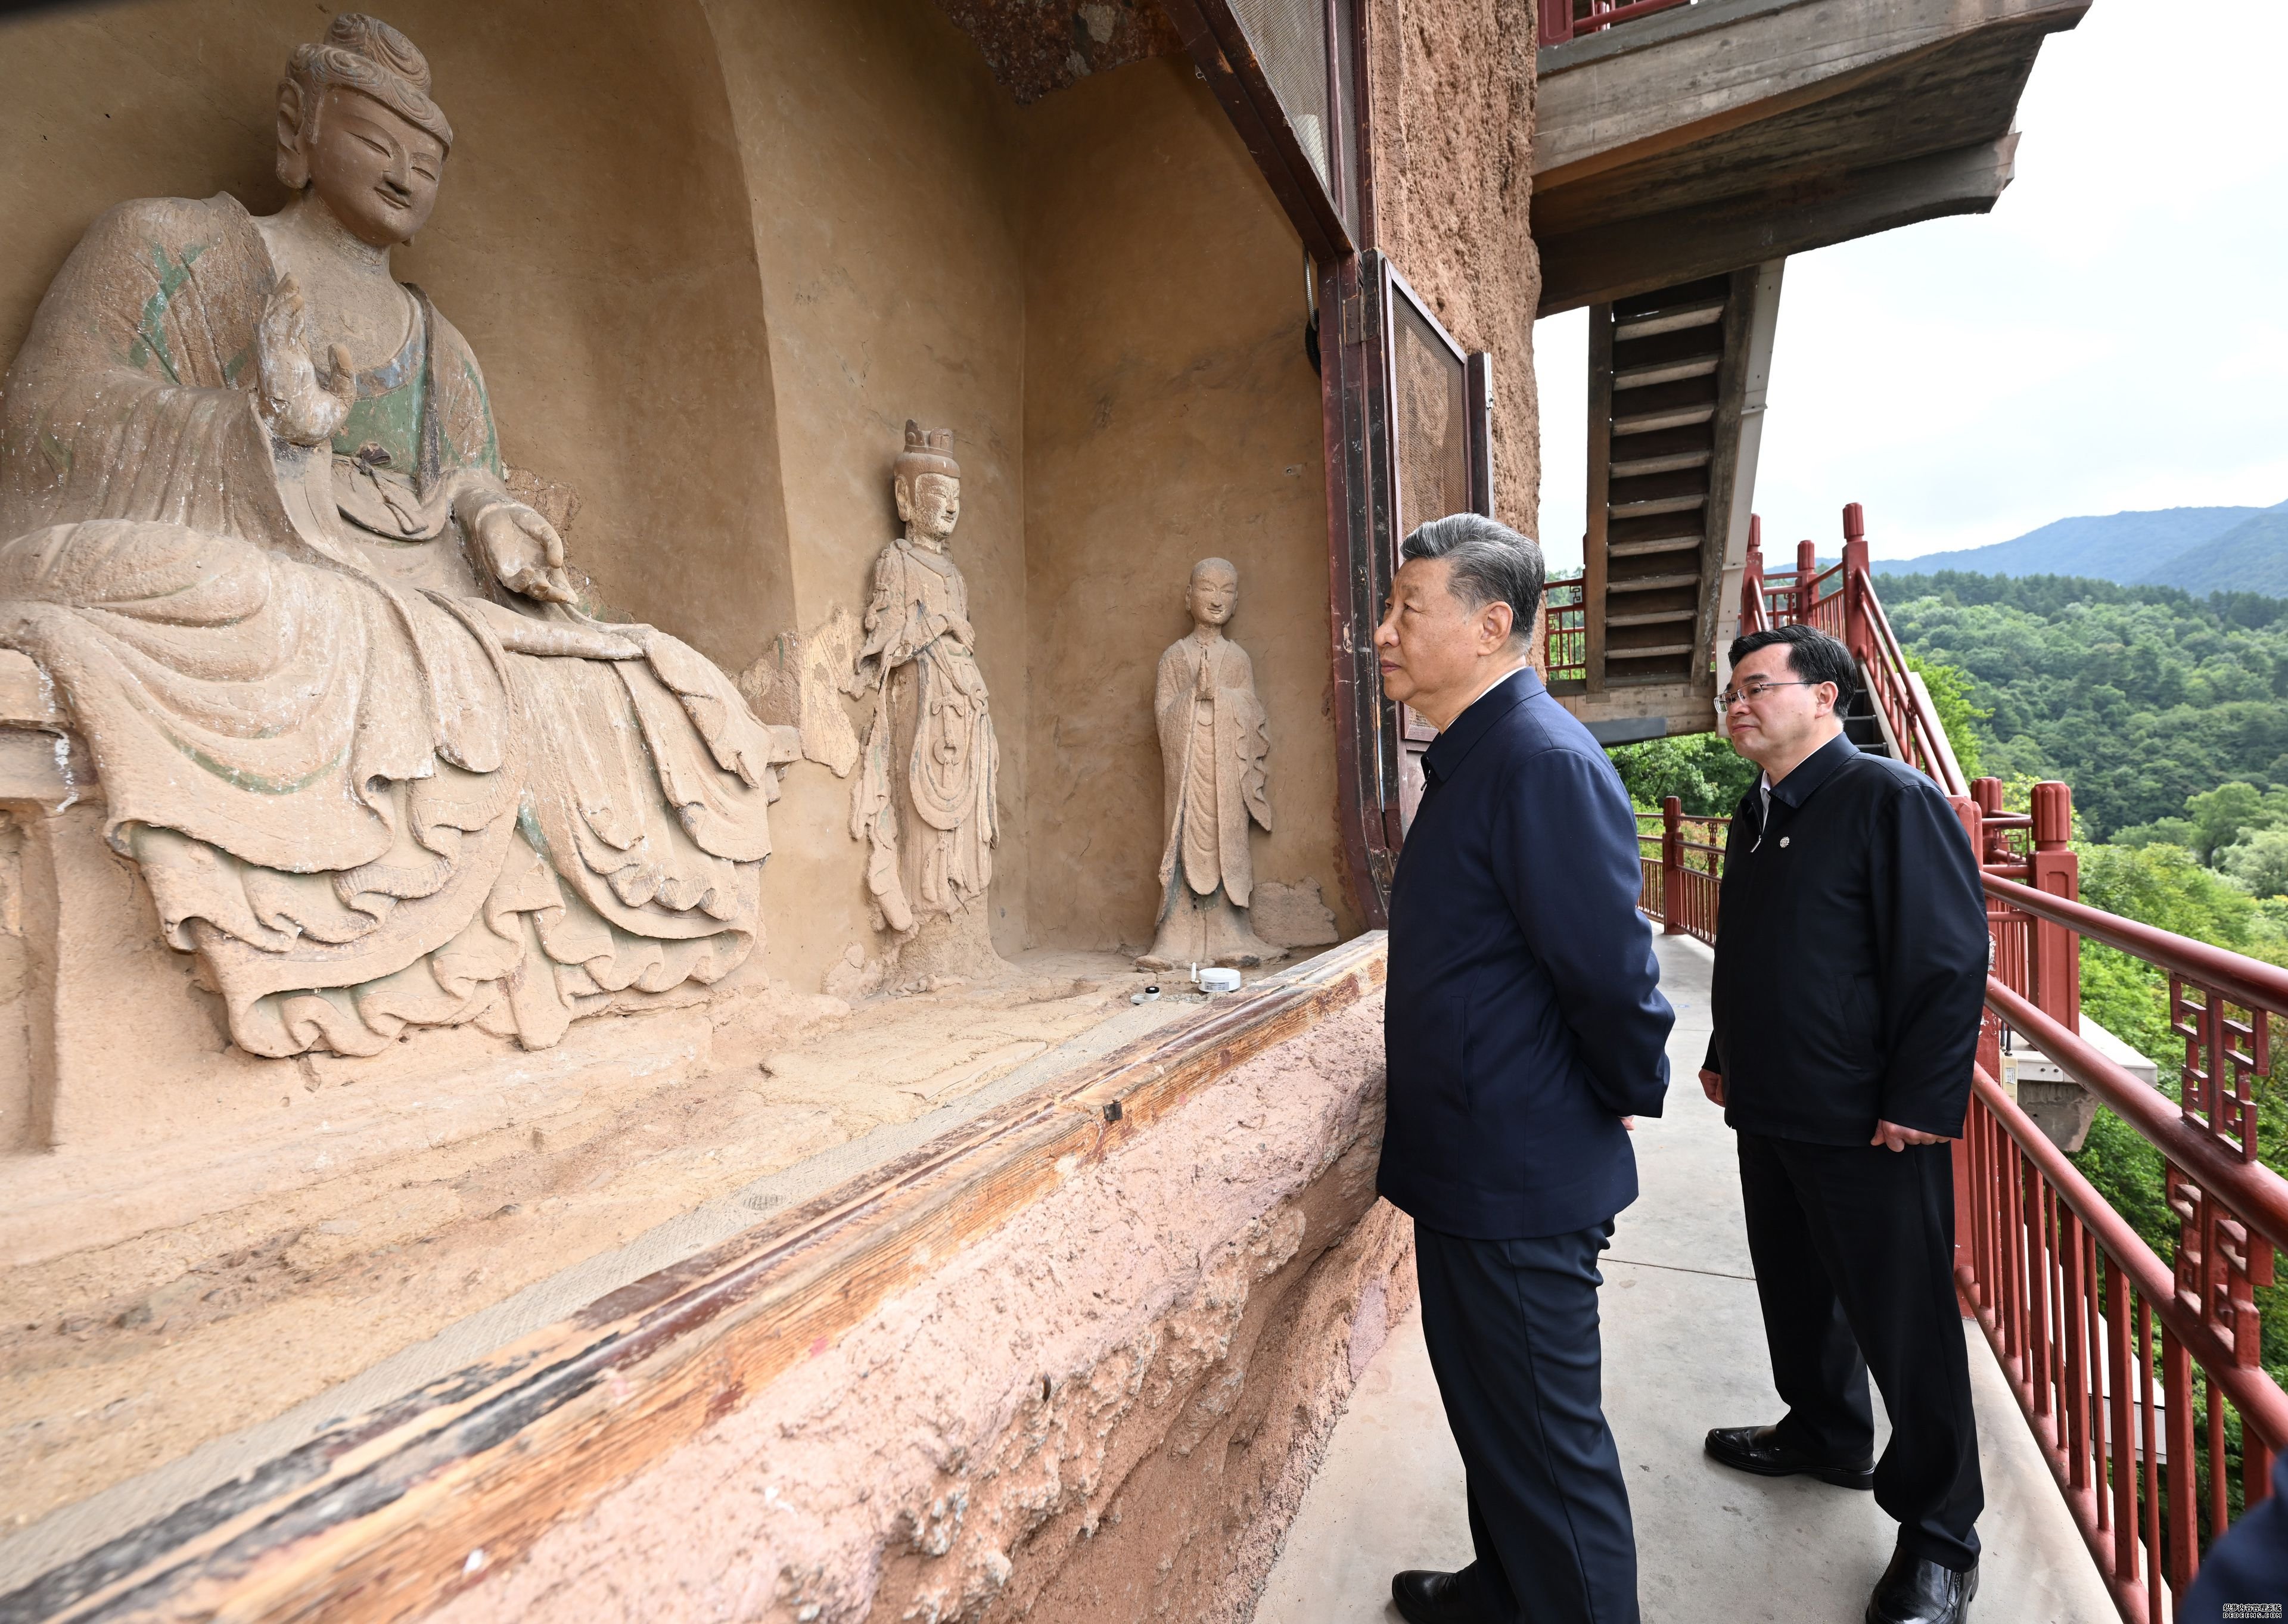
x=357, y=127
x=928, y=481
x=1213, y=593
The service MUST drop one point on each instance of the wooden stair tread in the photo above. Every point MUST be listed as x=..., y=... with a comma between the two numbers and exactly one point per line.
x=1653, y=505
x=1684, y=543
x=1677, y=418
x=1673, y=462
x=1664, y=372
x=1702, y=313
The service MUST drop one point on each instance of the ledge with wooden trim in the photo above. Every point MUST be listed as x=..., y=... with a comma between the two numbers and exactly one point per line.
x=374, y=1519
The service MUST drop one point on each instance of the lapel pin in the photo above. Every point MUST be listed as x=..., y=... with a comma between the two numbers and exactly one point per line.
x=1784, y=840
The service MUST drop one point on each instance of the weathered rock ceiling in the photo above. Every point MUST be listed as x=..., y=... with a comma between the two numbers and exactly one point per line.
x=1037, y=46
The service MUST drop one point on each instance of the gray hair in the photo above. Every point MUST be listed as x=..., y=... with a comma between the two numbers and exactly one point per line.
x=1490, y=562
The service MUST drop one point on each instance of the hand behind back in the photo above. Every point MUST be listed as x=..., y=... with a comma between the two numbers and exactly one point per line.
x=1892, y=1136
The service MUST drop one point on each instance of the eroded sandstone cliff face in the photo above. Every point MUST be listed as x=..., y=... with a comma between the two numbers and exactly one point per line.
x=1108, y=1409
x=1453, y=119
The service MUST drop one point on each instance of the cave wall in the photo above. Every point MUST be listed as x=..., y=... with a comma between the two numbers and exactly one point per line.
x=884, y=189
x=589, y=241
x=1170, y=414
x=1452, y=100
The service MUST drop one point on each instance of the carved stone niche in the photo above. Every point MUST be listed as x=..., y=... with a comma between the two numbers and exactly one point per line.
x=311, y=737
x=127, y=1108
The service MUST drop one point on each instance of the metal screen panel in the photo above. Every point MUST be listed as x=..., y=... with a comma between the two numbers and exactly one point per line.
x=1290, y=40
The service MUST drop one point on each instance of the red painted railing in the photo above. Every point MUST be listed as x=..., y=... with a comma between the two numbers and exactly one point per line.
x=2143, y=1379
x=2139, y=1378
x=1755, y=591
x=1682, y=877
x=1652, y=890
x=1564, y=19
x=1564, y=632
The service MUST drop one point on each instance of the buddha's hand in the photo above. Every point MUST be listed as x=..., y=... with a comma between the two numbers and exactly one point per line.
x=523, y=551
x=296, y=406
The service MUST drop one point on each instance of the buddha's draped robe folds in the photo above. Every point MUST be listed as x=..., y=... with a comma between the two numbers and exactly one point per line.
x=1214, y=739
x=930, y=849
x=366, y=788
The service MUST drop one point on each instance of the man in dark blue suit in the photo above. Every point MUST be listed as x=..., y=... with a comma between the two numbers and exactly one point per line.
x=1524, y=1028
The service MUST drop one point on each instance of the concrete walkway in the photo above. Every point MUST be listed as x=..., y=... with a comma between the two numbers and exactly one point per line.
x=1684, y=1351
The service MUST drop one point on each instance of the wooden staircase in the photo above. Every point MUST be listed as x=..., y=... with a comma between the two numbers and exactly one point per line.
x=1657, y=357
x=1861, y=725
x=1675, y=399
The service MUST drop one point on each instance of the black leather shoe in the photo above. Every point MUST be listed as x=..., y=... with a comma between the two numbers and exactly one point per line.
x=1755, y=1449
x=1916, y=1590
x=1425, y=1598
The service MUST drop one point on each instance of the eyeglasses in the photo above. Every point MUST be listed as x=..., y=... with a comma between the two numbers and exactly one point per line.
x=1755, y=695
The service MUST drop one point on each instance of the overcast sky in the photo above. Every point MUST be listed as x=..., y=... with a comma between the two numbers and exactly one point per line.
x=2114, y=336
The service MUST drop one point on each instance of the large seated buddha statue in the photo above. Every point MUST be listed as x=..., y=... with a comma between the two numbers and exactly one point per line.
x=375, y=766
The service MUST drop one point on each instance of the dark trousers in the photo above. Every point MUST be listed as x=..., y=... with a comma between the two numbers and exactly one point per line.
x=1512, y=1327
x=1853, y=1250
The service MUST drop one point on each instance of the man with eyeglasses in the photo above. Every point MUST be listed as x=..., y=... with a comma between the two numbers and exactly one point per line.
x=1850, y=975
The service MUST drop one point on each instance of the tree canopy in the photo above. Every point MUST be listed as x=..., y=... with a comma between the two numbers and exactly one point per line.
x=1701, y=770
x=2139, y=696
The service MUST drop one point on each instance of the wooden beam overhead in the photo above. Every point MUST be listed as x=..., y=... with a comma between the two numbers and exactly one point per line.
x=1737, y=62
x=1606, y=263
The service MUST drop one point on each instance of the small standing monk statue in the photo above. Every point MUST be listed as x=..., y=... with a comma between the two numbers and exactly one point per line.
x=923, y=801
x=1213, y=738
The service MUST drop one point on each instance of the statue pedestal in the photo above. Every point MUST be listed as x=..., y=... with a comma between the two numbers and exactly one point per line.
x=1210, y=930
x=949, y=947
x=127, y=1107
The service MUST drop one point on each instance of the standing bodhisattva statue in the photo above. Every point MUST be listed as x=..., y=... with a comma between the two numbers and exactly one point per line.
x=1213, y=738
x=376, y=769
x=924, y=798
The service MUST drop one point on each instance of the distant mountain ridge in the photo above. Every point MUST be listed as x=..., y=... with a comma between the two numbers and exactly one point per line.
x=2202, y=550
x=2252, y=556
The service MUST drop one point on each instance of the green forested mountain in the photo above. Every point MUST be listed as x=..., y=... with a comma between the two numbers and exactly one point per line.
x=2139, y=696
x=2252, y=556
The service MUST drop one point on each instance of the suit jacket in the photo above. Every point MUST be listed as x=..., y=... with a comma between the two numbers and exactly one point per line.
x=1850, y=954
x=1524, y=1016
